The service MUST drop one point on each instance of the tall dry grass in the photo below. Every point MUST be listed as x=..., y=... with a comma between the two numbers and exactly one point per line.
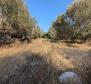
x=56, y=57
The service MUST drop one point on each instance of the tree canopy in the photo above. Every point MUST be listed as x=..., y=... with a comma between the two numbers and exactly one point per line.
x=74, y=24
x=16, y=17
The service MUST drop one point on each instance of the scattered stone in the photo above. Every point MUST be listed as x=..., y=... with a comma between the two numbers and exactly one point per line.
x=69, y=78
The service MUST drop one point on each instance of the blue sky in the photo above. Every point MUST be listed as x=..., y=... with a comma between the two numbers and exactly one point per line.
x=46, y=11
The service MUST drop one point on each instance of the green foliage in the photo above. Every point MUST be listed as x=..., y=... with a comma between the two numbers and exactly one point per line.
x=82, y=16
x=15, y=13
x=59, y=29
x=75, y=24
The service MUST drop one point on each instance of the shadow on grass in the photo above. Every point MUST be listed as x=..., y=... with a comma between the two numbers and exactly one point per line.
x=89, y=53
x=70, y=45
x=35, y=70
x=66, y=41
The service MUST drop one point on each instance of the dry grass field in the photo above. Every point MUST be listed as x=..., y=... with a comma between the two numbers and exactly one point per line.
x=59, y=57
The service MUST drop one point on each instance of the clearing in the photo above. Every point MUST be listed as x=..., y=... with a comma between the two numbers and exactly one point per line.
x=60, y=55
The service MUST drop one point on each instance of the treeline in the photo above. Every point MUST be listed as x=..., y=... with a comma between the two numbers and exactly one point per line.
x=74, y=25
x=16, y=22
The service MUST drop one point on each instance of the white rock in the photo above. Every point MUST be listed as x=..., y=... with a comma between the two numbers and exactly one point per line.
x=69, y=78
